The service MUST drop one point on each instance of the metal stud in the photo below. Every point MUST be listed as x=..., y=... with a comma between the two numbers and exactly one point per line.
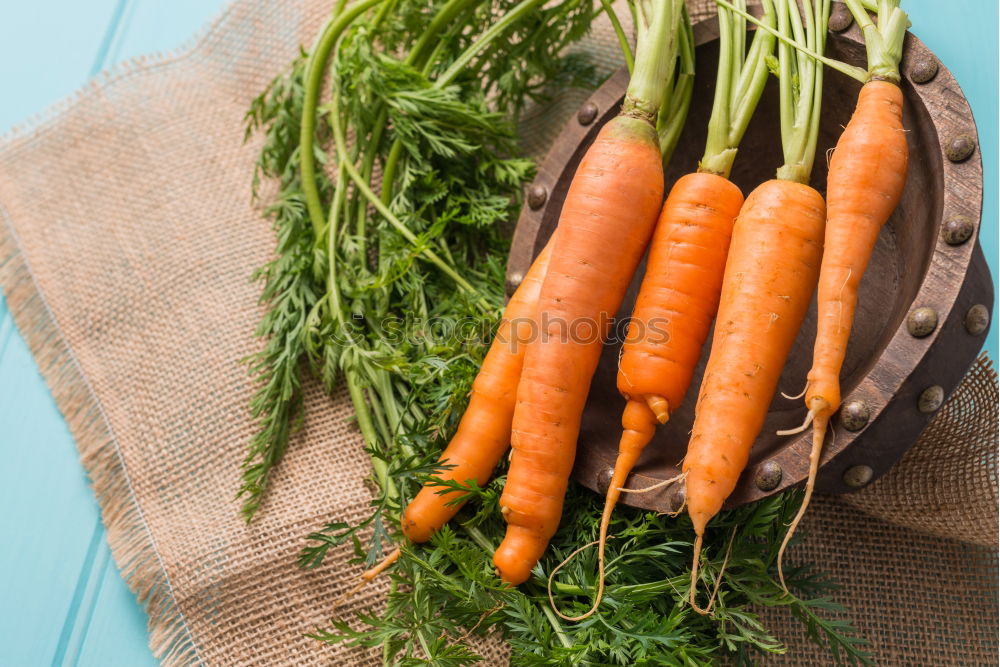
x=858, y=476
x=768, y=475
x=923, y=70
x=537, y=194
x=587, y=113
x=977, y=320
x=854, y=415
x=604, y=480
x=960, y=147
x=840, y=17
x=957, y=230
x=676, y=498
x=513, y=282
x=931, y=399
x=922, y=322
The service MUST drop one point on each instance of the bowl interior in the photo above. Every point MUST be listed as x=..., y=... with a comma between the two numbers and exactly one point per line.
x=901, y=258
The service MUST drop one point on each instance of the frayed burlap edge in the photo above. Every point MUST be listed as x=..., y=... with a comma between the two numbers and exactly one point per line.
x=132, y=543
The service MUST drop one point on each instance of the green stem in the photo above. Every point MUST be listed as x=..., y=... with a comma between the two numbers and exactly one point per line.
x=620, y=34
x=848, y=70
x=739, y=84
x=556, y=626
x=655, y=58
x=674, y=109
x=315, y=68
x=884, y=42
x=368, y=432
x=801, y=85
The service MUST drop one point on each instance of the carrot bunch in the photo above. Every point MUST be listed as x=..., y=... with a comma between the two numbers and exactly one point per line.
x=680, y=290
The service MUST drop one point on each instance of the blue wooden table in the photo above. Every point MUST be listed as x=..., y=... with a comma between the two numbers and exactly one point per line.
x=61, y=598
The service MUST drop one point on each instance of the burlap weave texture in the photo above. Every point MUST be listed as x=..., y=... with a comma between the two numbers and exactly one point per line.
x=127, y=237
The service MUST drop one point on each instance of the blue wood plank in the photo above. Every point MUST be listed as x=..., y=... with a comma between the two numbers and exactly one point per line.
x=47, y=49
x=49, y=513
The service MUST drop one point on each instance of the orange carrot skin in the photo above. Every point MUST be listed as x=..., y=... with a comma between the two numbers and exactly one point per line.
x=606, y=222
x=483, y=434
x=769, y=281
x=865, y=183
x=679, y=295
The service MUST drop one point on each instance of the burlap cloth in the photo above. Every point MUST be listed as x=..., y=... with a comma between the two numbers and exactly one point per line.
x=127, y=238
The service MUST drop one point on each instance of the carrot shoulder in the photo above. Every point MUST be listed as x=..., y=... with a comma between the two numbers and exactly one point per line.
x=483, y=434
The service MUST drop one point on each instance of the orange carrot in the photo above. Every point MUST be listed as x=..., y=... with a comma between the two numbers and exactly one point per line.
x=770, y=277
x=867, y=174
x=606, y=221
x=483, y=434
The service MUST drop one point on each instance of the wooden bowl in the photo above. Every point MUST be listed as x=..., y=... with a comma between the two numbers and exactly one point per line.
x=924, y=303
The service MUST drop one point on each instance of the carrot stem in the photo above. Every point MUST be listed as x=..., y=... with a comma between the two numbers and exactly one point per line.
x=883, y=42
x=857, y=73
x=620, y=34
x=677, y=99
x=739, y=84
x=307, y=133
x=656, y=54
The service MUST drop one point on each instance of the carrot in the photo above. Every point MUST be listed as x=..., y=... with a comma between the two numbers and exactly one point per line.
x=865, y=182
x=680, y=290
x=483, y=434
x=605, y=224
x=770, y=277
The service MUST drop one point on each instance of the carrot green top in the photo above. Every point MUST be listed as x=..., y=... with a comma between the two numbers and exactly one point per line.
x=800, y=81
x=738, y=85
x=883, y=42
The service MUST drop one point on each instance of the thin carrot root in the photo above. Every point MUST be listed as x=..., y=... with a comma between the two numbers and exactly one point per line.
x=820, y=423
x=659, y=406
x=600, y=578
x=368, y=576
x=798, y=395
x=658, y=485
x=798, y=429
x=718, y=580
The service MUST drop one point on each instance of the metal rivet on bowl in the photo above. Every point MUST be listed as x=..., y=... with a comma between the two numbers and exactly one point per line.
x=857, y=476
x=930, y=399
x=960, y=147
x=957, y=230
x=537, y=194
x=768, y=475
x=513, y=282
x=854, y=415
x=840, y=17
x=604, y=480
x=922, y=321
x=587, y=113
x=676, y=499
x=977, y=320
x=923, y=70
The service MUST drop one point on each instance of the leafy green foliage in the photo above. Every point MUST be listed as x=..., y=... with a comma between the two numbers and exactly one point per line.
x=354, y=300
